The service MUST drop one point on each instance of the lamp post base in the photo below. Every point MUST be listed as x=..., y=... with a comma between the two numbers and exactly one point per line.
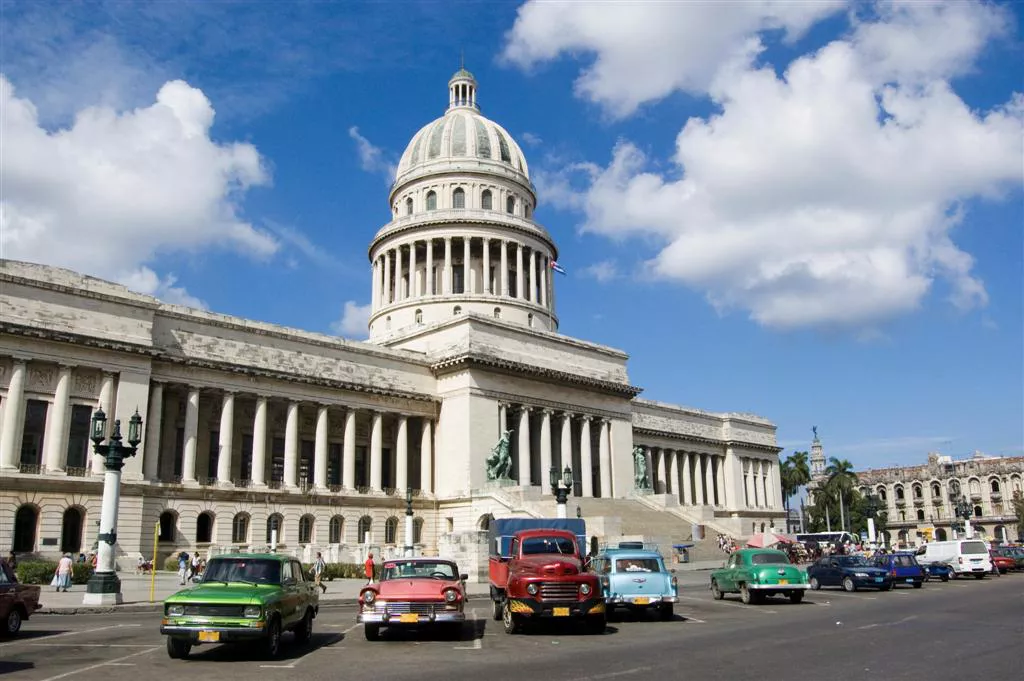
x=103, y=588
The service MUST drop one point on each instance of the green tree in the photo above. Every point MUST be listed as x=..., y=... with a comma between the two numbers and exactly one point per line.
x=840, y=484
x=1018, y=510
x=795, y=473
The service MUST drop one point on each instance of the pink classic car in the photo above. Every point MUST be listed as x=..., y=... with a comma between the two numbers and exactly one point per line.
x=414, y=592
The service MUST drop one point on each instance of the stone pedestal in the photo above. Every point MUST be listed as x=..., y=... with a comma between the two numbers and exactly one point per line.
x=103, y=588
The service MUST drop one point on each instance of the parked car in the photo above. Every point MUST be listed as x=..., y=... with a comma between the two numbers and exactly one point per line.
x=849, y=572
x=758, y=573
x=1001, y=563
x=937, y=570
x=636, y=580
x=414, y=592
x=17, y=601
x=242, y=598
x=965, y=556
x=1014, y=552
x=903, y=568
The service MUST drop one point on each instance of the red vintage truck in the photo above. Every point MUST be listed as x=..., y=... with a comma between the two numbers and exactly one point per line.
x=537, y=572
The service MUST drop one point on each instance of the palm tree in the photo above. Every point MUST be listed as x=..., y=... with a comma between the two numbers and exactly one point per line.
x=841, y=480
x=794, y=473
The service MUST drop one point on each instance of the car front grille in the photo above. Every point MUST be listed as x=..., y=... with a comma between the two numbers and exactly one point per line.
x=558, y=591
x=215, y=610
x=417, y=607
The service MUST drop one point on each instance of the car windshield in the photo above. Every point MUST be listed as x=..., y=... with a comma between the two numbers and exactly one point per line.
x=905, y=561
x=637, y=565
x=768, y=559
x=253, y=570
x=852, y=561
x=973, y=547
x=539, y=545
x=418, y=569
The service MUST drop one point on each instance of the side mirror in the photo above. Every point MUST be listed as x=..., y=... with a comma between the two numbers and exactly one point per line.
x=464, y=576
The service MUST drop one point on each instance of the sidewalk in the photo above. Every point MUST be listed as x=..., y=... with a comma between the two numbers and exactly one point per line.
x=135, y=590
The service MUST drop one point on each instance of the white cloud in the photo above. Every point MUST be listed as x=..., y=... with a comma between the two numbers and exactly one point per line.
x=603, y=271
x=354, y=322
x=145, y=280
x=825, y=197
x=531, y=139
x=109, y=194
x=647, y=50
x=372, y=158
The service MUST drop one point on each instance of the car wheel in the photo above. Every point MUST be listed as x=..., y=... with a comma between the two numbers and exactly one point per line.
x=848, y=584
x=496, y=610
x=667, y=612
x=12, y=625
x=746, y=595
x=918, y=585
x=596, y=624
x=716, y=593
x=304, y=631
x=944, y=578
x=272, y=644
x=815, y=584
x=889, y=587
x=178, y=648
x=796, y=596
x=509, y=621
x=371, y=632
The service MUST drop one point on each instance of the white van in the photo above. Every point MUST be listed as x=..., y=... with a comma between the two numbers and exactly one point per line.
x=965, y=556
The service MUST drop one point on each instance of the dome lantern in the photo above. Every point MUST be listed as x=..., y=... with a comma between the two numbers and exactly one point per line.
x=462, y=90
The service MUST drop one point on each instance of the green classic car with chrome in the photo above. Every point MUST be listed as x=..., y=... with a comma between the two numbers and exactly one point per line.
x=758, y=573
x=248, y=597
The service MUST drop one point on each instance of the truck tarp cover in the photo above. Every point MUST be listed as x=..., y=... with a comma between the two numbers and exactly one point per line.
x=500, y=534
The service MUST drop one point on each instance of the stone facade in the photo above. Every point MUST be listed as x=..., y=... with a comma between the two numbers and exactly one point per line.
x=256, y=434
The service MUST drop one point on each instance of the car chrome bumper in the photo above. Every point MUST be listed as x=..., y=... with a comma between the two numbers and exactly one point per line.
x=651, y=601
x=778, y=587
x=224, y=634
x=557, y=609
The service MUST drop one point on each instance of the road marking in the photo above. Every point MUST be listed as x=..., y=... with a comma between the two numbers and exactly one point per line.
x=108, y=663
x=478, y=642
x=889, y=624
x=690, y=618
x=69, y=633
x=731, y=605
x=346, y=631
x=120, y=664
x=845, y=594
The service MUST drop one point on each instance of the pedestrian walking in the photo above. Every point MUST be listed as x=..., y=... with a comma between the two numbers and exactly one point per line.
x=194, y=568
x=12, y=560
x=368, y=568
x=182, y=568
x=318, y=571
x=63, y=575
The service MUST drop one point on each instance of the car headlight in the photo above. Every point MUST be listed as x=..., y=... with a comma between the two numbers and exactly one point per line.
x=585, y=589
x=531, y=589
x=175, y=610
x=369, y=597
x=861, y=574
x=451, y=595
x=252, y=611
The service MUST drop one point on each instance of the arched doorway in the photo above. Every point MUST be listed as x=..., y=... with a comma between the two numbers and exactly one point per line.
x=71, y=531
x=168, y=523
x=204, y=528
x=1001, y=534
x=940, y=534
x=26, y=521
x=484, y=524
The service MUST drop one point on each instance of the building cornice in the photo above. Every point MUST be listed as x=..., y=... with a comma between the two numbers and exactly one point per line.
x=682, y=437
x=468, y=217
x=99, y=342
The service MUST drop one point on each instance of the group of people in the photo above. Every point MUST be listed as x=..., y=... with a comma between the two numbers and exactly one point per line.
x=190, y=567
x=64, y=571
x=726, y=543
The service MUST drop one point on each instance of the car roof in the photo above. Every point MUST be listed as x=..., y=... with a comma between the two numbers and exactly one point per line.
x=629, y=553
x=749, y=551
x=251, y=556
x=418, y=559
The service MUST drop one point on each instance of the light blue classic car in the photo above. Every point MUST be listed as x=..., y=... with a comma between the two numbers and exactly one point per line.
x=636, y=579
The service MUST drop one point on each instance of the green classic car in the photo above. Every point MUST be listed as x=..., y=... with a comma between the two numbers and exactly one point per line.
x=758, y=573
x=247, y=597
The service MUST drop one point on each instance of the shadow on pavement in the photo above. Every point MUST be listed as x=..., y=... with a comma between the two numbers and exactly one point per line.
x=253, y=652
x=12, y=667
x=29, y=634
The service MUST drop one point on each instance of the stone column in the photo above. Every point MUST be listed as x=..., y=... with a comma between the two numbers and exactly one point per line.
x=545, y=450
x=57, y=425
x=259, y=443
x=524, y=446
x=467, y=271
x=291, y=445
x=565, y=441
x=723, y=492
x=586, y=454
x=605, y=454
x=748, y=482
x=188, y=467
x=504, y=268
x=532, y=288
x=376, y=451
x=154, y=430
x=488, y=285
x=414, y=280
x=428, y=276
x=323, y=424
x=520, y=279
x=673, y=472
x=402, y=455
x=544, y=281
x=734, y=479
x=399, y=293
x=698, y=479
x=107, y=405
x=226, y=444
x=661, y=487
x=14, y=407
x=686, y=497
x=427, y=457
x=375, y=286
x=502, y=418
x=651, y=472
x=387, y=278
x=446, y=276
x=348, y=475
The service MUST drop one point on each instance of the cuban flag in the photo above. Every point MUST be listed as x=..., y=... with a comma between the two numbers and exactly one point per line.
x=557, y=268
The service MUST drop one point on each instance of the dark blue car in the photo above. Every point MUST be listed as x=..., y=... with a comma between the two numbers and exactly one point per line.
x=903, y=568
x=849, y=572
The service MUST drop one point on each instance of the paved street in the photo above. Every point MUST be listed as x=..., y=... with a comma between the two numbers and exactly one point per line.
x=959, y=630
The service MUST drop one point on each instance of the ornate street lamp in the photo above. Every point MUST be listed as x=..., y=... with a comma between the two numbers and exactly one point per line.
x=963, y=509
x=408, y=522
x=104, y=587
x=871, y=507
x=560, y=487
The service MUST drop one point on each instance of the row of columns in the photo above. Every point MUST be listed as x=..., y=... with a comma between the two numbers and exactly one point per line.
x=392, y=266
x=698, y=479
x=759, y=483
x=563, y=423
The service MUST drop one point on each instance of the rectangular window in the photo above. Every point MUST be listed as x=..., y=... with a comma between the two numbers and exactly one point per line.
x=334, y=464
x=35, y=427
x=179, y=451
x=78, y=436
x=211, y=461
x=246, y=468
x=277, y=460
x=306, y=453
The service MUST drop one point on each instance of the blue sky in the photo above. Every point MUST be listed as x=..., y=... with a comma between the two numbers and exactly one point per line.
x=809, y=211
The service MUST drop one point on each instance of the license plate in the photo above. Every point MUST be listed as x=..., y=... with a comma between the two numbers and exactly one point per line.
x=641, y=601
x=879, y=579
x=209, y=636
x=411, y=618
x=560, y=612
x=910, y=580
x=783, y=581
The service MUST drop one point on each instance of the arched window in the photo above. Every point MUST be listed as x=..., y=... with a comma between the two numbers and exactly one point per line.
x=975, y=486
x=510, y=205
x=364, y=530
x=918, y=492
x=457, y=310
x=26, y=523
x=204, y=528
x=431, y=200
x=306, y=529
x=240, y=528
x=881, y=493
x=527, y=212
x=485, y=200
x=408, y=206
x=335, y=529
x=71, y=530
x=390, y=530
x=899, y=493
x=920, y=514
x=417, y=531
x=497, y=313
x=168, y=522
x=940, y=534
x=419, y=316
x=459, y=198
x=954, y=488
x=275, y=528
x=484, y=524
x=936, y=489
x=994, y=484
x=977, y=511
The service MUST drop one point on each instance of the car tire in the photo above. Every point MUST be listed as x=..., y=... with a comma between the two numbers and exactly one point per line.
x=889, y=587
x=918, y=585
x=496, y=610
x=178, y=648
x=272, y=642
x=815, y=584
x=716, y=592
x=12, y=623
x=746, y=595
x=596, y=624
x=304, y=630
x=795, y=597
x=848, y=584
x=371, y=632
x=510, y=621
x=944, y=578
x=667, y=612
